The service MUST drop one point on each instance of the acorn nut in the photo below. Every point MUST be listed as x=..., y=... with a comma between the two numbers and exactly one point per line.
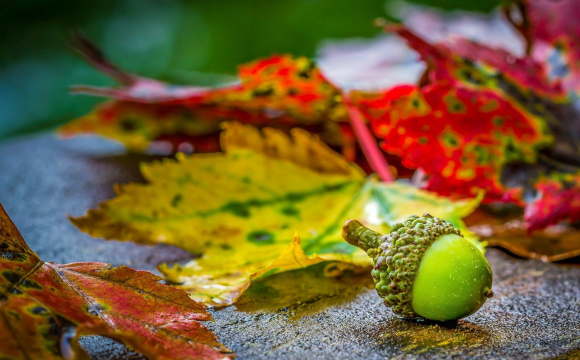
x=425, y=268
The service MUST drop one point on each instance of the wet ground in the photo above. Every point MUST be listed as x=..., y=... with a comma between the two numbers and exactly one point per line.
x=534, y=314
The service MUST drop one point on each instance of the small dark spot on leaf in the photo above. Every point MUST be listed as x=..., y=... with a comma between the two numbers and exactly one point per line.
x=237, y=208
x=11, y=276
x=12, y=256
x=128, y=125
x=261, y=237
x=290, y=211
x=31, y=284
x=176, y=200
x=263, y=92
x=38, y=310
x=334, y=187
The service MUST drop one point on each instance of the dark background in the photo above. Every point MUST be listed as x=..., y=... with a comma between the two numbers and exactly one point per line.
x=185, y=42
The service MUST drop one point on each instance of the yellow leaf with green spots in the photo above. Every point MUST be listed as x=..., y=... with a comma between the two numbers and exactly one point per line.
x=262, y=189
x=242, y=210
x=239, y=208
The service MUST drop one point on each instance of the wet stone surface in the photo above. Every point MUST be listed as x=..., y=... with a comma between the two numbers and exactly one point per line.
x=534, y=314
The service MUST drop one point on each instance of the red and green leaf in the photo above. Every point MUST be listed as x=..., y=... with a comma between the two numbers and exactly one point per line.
x=482, y=119
x=282, y=91
x=557, y=199
x=45, y=307
x=459, y=136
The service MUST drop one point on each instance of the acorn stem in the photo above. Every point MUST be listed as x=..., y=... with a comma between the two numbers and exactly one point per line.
x=359, y=235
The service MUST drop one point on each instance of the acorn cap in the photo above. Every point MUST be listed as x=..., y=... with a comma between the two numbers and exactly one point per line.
x=397, y=256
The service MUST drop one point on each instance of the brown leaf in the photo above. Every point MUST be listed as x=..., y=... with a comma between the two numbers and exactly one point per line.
x=553, y=243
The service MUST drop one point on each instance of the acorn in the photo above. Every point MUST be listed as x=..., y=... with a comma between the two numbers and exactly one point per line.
x=424, y=268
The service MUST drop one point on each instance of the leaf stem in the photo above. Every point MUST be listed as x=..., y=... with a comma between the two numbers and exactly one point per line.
x=368, y=144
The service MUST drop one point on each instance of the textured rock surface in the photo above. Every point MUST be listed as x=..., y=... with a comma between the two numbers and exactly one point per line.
x=535, y=313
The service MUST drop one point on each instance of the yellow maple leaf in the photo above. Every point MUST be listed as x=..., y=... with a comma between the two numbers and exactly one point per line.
x=243, y=210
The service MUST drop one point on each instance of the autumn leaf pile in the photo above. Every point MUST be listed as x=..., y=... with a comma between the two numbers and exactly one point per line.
x=274, y=176
x=480, y=119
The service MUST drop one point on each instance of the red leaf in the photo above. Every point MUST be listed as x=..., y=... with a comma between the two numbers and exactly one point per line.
x=281, y=91
x=483, y=119
x=556, y=24
x=460, y=137
x=524, y=72
x=557, y=200
x=41, y=303
x=281, y=86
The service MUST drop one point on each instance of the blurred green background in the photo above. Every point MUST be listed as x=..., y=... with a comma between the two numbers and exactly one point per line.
x=174, y=40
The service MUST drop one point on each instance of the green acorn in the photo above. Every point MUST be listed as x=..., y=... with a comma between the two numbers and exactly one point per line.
x=425, y=268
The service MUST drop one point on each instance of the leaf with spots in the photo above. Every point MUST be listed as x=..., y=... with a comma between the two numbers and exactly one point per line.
x=45, y=307
x=432, y=128
x=481, y=119
x=240, y=210
x=136, y=125
x=279, y=91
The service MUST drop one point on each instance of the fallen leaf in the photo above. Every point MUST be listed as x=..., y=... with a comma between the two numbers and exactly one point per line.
x=280, y=91
x=431, y=129
x=241, y=209
x=243, y=205
x=45, y=307
x=136, y=125
x=206, y=199
x=558, y=198
x=552, y=243
x=553, y=32
x=482, y=119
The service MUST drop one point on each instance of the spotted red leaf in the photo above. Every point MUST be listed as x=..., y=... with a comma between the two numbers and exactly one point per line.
x=281, y=91
x=459, y=136
x=44, y=305
x=482, y=119
x=552, y=29
x=525, y=73
x=281, y=85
